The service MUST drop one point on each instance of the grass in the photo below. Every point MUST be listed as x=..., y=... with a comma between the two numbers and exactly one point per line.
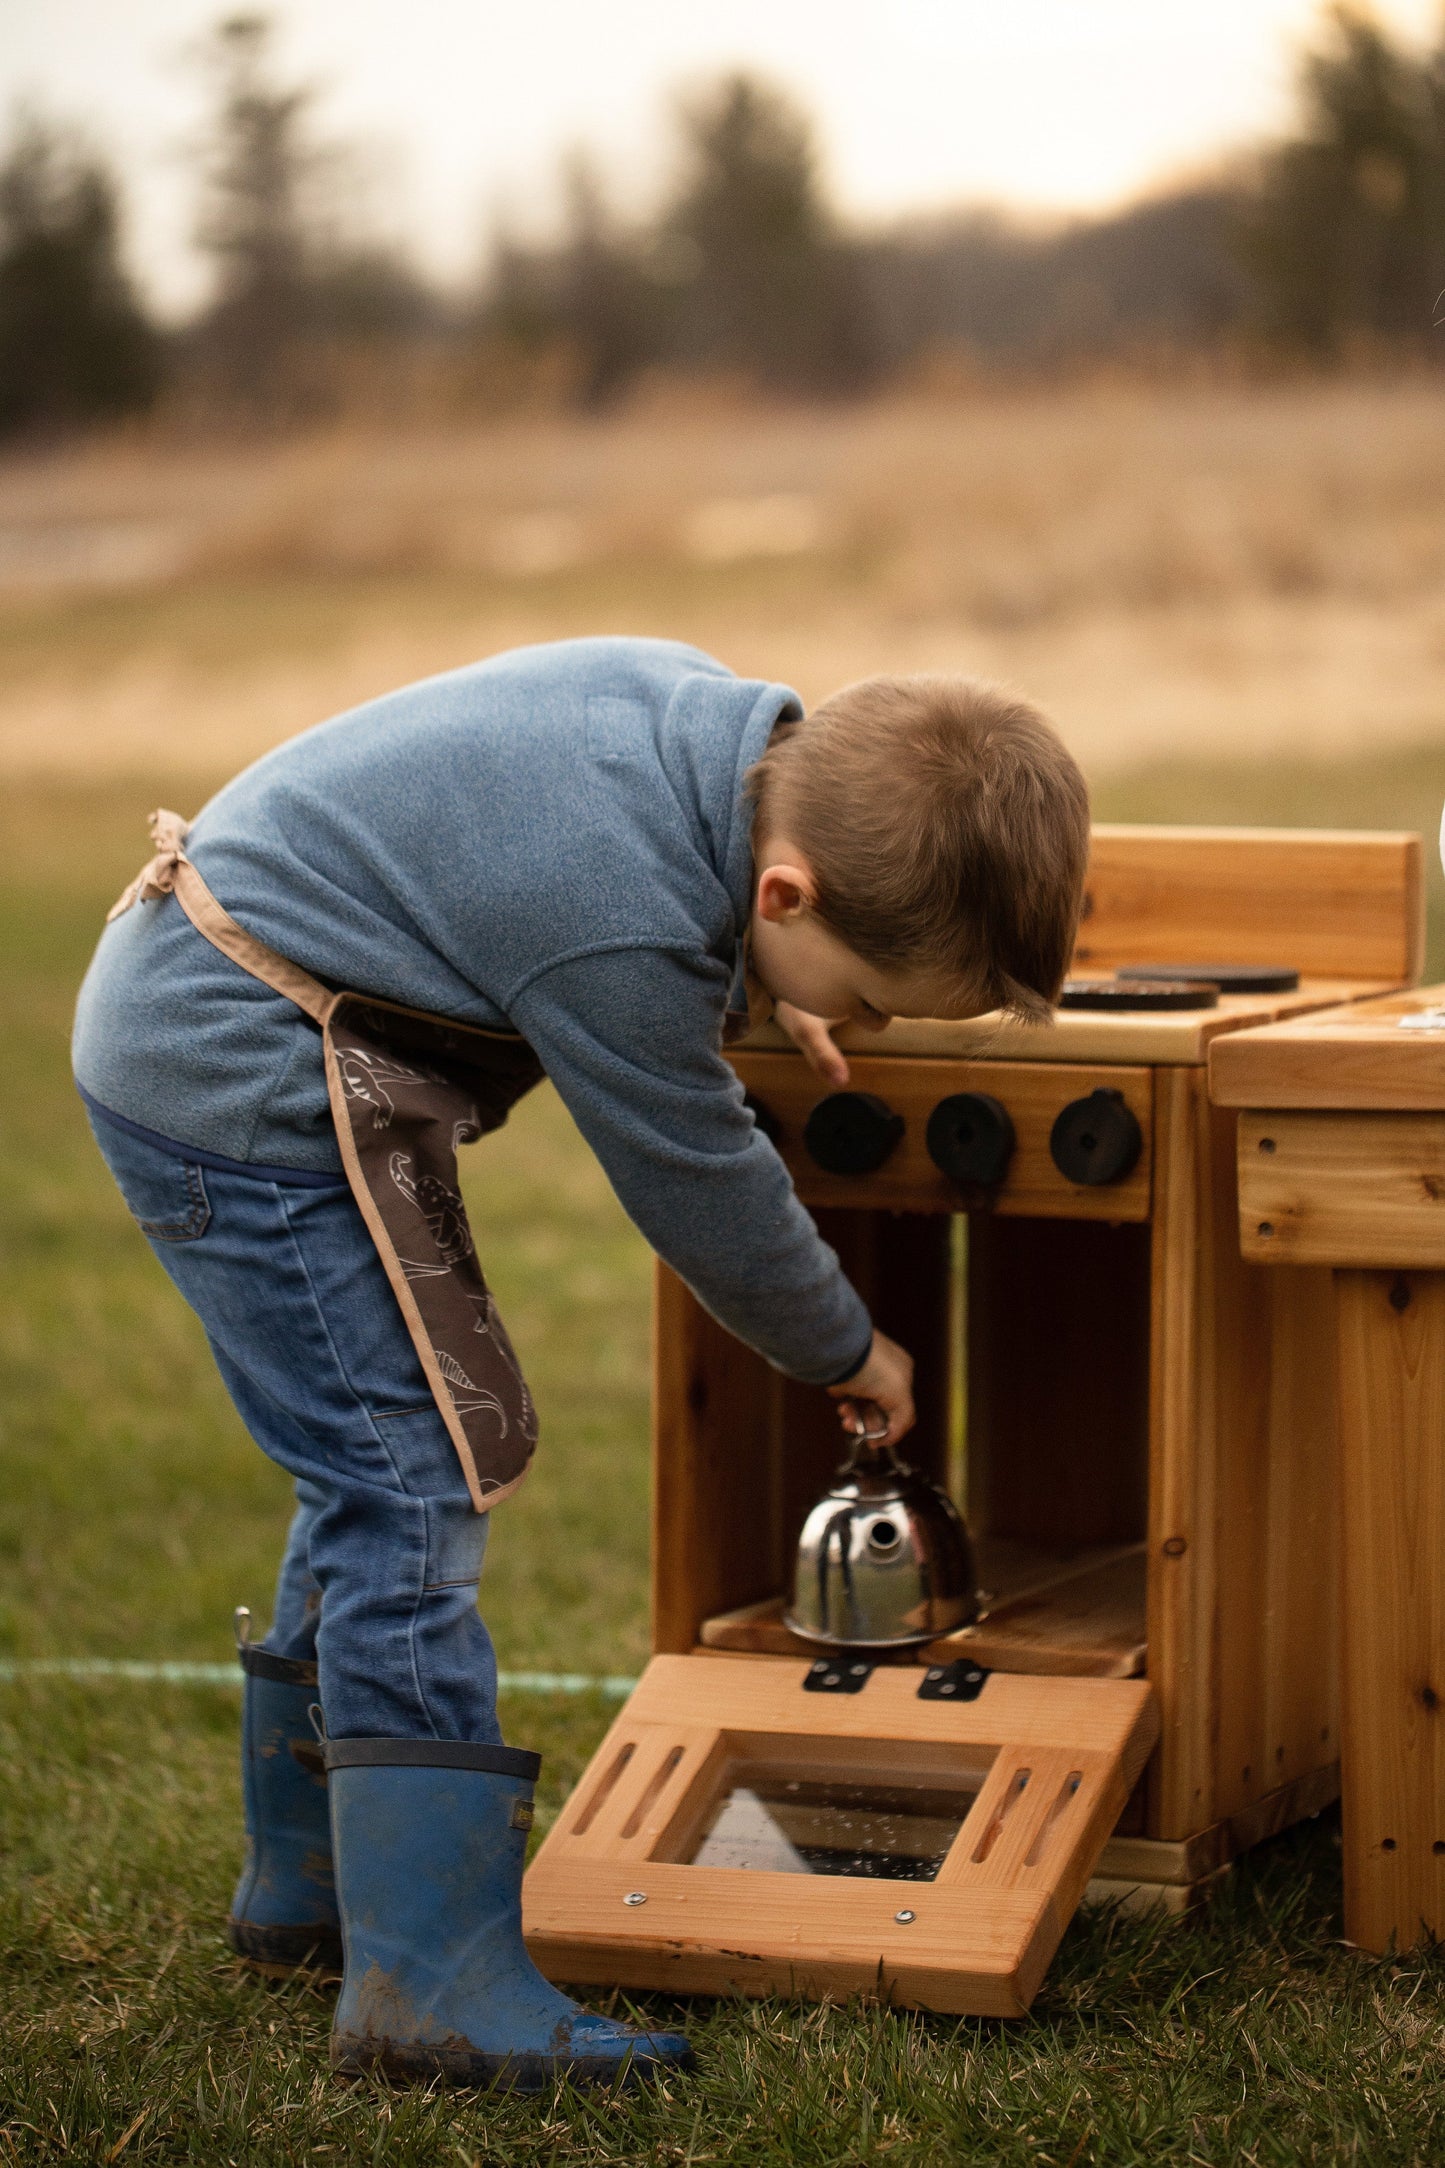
x=135, y=1513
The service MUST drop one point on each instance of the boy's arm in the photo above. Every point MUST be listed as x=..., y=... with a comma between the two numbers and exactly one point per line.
x=630, y=1039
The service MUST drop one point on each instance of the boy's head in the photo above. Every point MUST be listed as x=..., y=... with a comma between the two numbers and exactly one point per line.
x=920, y=846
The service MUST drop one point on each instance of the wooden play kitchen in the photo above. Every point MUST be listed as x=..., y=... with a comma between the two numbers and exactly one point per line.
x=1342, y=1167
x=1137, y=1420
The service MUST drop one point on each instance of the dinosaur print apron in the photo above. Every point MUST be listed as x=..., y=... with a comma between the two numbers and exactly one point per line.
x=406, y=1090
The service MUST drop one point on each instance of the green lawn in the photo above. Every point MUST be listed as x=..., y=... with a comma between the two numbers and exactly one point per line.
x=134, y=1514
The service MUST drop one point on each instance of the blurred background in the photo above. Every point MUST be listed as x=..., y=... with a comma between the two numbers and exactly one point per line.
x=1094, y=348
x=1091, y=347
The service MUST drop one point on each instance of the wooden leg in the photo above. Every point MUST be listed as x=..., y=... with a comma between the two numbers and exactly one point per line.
x=1392, y=1441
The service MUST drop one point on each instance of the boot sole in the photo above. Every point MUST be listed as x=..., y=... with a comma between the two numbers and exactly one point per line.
x=277, y=1952
x=500, y=2073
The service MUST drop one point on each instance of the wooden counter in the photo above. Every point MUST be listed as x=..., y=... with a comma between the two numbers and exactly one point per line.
x=1342, y=1162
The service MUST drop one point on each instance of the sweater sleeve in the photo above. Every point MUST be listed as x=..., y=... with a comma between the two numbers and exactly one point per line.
x=630, y=1039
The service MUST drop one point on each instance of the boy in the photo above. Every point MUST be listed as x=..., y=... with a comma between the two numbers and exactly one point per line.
x=594, y=860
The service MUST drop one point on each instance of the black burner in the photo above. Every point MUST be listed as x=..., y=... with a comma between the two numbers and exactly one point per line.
x=1229, y=978
x=1122, y=996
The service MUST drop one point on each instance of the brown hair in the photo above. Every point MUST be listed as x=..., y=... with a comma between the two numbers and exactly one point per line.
x=946, y=825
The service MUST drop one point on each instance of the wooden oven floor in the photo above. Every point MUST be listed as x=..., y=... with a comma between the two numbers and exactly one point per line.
x=1079, y=1617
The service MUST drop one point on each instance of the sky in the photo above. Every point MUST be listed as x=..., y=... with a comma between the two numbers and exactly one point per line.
x=465, y=106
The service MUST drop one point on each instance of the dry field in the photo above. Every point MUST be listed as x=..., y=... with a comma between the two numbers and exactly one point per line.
x=1176, y=571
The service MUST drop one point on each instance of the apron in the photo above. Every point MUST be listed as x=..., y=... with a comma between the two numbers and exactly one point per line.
x=406, y=1090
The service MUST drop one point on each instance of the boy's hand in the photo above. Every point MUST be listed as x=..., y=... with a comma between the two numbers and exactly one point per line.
x=813, y=1037
x=886, y=1379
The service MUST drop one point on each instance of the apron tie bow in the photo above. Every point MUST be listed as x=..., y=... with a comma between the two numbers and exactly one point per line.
x=168, y=833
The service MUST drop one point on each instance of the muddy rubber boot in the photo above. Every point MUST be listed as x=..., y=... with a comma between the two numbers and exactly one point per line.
x=430, y=1839
x=283, y=1914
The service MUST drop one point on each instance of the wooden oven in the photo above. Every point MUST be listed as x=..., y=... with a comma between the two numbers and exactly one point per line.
x=1139, y=1425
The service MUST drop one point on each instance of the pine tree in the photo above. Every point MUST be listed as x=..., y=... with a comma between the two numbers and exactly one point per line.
x=763, y=281
x=1346, y=238
x=75, y=343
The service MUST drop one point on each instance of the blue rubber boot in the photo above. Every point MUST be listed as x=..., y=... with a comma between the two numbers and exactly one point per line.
x=430, y=1840
x=283, y=1914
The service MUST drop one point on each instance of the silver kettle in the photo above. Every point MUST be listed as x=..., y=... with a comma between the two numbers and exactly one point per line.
x=884, y=1560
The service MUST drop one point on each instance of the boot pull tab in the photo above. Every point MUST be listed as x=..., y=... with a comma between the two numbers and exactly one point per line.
x=241, y=1625
x=318, y=1722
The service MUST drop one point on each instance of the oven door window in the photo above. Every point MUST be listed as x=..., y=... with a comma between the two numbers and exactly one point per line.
x=884, y=1831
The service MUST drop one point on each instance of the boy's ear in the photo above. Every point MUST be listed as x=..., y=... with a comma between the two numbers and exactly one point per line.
x=784, y=890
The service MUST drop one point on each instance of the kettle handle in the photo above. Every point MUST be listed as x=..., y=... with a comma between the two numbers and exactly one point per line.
x=868, y=1443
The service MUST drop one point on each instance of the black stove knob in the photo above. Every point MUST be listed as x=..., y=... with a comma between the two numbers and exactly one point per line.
x=970, y=1138
x=852, y=1132
x=1096, y=1140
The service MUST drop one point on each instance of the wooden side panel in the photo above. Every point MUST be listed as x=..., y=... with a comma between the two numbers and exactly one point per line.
x=1277, y=1511
x=1302, y=1559
x=1058, y=1338
x=1392, y=1423
x=1242, y=1604
x=716, y=1512
x=1343, y=903
x=1342, y=1189
x=1182, y=1465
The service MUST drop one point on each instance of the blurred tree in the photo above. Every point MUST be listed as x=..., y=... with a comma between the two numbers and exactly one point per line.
x=294, y=278
x=607, y=306
x=75, y=344
x=762, y=280
x=1158, y=277
x=1346, y=236
x=255, y=218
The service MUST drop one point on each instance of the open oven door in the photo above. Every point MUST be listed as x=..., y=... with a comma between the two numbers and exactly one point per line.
x=760, y=1825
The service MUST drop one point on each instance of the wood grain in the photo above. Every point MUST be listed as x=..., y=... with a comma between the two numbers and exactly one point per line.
x=1058, y=1383
x=740, y=1453
x=1242, y=1602
x=716, y=1416
x=1035, y=1094
x=1352, y=1056
x=1080, y=1623
x=1182, y=1465
x=1328, y=1188
x=1051, y=1763
x=1183, y=1036
x=1088, y=1625
x=1392, y=1422
x=1332, y=903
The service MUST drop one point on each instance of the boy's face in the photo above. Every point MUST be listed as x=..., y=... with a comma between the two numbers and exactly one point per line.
x=801, y=961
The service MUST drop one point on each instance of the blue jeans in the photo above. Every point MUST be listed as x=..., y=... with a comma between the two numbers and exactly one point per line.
x=379, y=1579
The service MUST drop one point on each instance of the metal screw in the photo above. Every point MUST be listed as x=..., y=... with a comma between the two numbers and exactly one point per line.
x=635, y=1897
x=858, y=1670
x=905, y=1918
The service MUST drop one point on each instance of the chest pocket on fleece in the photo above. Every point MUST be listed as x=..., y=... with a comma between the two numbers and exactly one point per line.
x=616, y=729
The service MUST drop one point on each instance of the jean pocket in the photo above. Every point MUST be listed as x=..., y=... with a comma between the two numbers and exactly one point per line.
x=166, y=1195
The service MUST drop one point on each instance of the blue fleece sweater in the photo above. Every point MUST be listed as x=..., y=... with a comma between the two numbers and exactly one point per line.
x=554, y=840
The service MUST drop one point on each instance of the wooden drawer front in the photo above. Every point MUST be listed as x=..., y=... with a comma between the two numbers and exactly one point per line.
x=1035, y=1093
x=1342, y=1189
